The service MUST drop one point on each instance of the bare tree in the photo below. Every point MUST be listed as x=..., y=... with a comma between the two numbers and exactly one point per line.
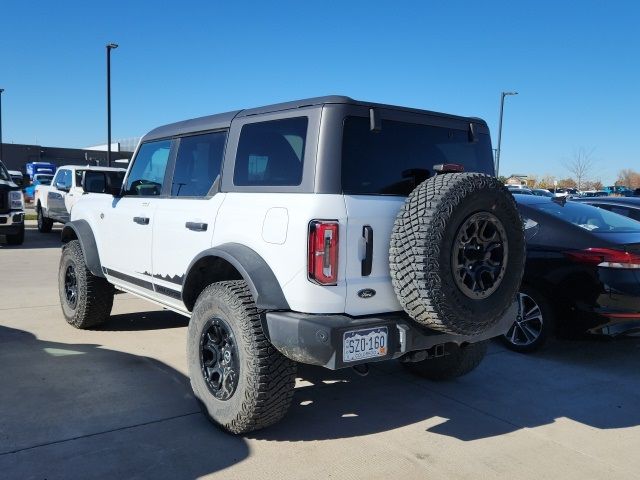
x=580, y=165
x=628, y=178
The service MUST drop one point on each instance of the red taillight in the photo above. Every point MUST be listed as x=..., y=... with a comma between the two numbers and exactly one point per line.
x=605, y=257
x=323, y=252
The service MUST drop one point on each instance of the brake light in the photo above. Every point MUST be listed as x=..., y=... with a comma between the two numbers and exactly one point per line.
x=323, y=252
x=448, y=168
x=605, y=257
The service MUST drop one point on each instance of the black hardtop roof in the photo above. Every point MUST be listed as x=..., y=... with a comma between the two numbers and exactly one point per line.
x=223, y=120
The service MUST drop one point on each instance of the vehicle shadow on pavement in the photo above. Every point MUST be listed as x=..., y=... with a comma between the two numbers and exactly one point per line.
x=139, y=321
x=594, y=383
x=83, y=411
x=34, y=239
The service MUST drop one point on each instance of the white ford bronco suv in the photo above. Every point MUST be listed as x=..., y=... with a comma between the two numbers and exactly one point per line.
x=325, y=231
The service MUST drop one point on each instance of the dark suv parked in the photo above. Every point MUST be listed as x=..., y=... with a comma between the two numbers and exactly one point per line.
x=11, y=209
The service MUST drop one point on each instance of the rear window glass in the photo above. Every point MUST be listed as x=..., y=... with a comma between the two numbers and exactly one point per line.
x=271, y=153
x=589, y=217
x=394, y=160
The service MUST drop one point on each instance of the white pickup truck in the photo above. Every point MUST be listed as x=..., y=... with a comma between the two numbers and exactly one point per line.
x=54, y=202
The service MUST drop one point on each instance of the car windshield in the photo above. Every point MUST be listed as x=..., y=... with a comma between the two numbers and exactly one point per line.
x=4, y=175
x=395, y=159
x=590, y=218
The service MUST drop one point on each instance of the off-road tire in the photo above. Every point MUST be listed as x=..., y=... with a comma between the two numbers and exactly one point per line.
x=266, y=378
x=458, y=361
x=94, y=294
x=422, y=245
x=17, y=238
x=44, y=224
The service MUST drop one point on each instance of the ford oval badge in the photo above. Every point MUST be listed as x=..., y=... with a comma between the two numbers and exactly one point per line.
x=366, y=293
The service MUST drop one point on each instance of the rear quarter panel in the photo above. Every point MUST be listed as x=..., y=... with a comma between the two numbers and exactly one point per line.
x=275, y=226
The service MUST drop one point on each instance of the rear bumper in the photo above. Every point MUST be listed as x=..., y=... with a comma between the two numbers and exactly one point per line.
x=614, y=313
x=318, y=339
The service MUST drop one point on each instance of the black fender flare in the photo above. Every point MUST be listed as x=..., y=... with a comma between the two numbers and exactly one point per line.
x=254, y=270
x=81, y=230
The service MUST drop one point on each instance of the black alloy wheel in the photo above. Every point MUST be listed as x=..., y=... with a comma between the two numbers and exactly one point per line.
x=479, y=255
x=71, y=286
x=219, y=359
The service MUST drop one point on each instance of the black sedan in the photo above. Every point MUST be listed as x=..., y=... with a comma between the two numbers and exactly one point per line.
x=582, y=272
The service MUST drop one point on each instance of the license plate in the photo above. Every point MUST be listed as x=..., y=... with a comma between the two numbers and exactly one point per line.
x=365, y=343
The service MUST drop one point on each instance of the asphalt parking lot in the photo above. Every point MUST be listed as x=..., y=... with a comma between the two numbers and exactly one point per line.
x=116, y=402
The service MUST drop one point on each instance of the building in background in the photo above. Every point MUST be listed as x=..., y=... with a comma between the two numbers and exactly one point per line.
x=124, y=145
x=16, y=156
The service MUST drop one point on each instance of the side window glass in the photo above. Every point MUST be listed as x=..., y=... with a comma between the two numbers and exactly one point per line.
x=621, y=211
x=197, y=164
x=67, y=179
x=147, y=172
x=58, y=177
x=63, y=179
x=79, y=177
x=271, y=153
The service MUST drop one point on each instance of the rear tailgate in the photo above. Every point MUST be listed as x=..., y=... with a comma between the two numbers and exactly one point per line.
x=378, y=213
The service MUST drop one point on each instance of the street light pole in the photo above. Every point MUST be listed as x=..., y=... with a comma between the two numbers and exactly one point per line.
x=110, y=47
x=1, y=90
x=504, y=94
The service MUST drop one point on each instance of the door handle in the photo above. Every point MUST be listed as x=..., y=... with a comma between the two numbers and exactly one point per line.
x=196, y=226
x=141, y=220
x=367, y=261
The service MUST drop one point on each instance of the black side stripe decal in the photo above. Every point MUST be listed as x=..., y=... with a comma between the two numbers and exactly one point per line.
x=143, y=283
x=168, y=292
x=128, y=278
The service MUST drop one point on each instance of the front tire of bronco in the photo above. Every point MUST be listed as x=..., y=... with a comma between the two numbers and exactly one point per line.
x=44, y=224
x=458, y=361
x=85, y=298
x=457, y=253
x=241, y=381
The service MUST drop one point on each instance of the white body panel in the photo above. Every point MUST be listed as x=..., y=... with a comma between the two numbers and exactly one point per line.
x=174, y=245
x=242, y=220
x=127, y=244
x=123, y=245
x=274, y=225
x=378, y=212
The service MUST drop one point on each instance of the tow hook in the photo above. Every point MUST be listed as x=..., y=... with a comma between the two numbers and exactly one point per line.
x=362, y=369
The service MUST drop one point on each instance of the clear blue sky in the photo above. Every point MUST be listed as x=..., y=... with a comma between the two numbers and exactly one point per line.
x=575, y=64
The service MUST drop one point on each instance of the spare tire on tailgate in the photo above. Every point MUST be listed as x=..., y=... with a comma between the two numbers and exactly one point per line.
x=457, y=253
